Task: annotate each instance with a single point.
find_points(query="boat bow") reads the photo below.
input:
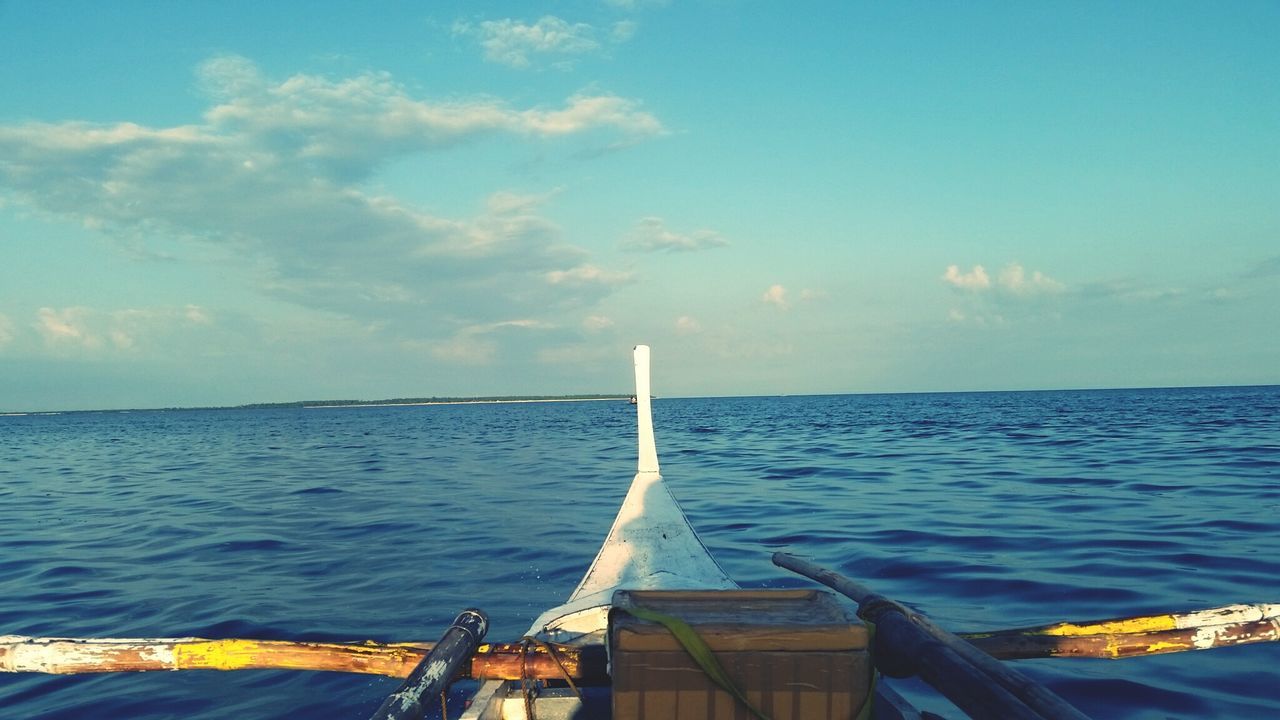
(651, 545)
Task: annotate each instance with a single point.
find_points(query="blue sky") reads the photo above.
(221, 203)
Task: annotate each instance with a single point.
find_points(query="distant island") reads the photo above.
(393, 402)
(316, 404)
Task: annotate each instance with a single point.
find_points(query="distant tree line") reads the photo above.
(339, 403)
(424, 401)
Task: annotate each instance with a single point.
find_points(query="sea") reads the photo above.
(981, 510)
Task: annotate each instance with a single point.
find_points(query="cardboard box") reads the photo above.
(795, 654)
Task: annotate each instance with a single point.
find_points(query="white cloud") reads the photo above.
(524, 323)
(274, 178)
(651, 235)
(517, 44)
(363, 119)
(1013, 279)
(65, 326)
(596, 323)
(975, 279)
(465, 350)
(197, 315)
(79, 328)
(507, 203)
(635, 4)
(1014, 296)
(686, 325)
(623, 30)
(588, 275)
(475, 345)
(775, 295)
(585, 112)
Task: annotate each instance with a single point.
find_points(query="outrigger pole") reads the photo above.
(907, 643)
(1117, 639)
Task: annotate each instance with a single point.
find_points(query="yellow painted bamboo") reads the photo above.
(73, 655)
(64, 656)
(1136, 636)
(1115, 638)
(1154, 623)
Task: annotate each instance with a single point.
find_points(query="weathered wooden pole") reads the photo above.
(491, 661)
(907, 644)
(437, 669)
(1136, 636)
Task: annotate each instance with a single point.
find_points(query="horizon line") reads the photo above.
(584, 397)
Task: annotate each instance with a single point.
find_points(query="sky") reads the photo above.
(217, 203)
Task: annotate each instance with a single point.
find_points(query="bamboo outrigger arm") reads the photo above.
(1136, 636)
(1117, 639)
(492, 661)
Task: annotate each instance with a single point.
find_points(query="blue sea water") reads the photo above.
(984, 510)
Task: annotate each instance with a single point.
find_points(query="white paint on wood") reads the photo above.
(648, 449)
(1227, 614)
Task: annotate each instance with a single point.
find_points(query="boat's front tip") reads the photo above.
(648, 448)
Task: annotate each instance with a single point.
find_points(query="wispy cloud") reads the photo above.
(589, 275)
(623, 31)
(776, 295)
(597, 323)
(465, 350)
(1013, 279)
(1016, 280)
(519, 44)
(651, 234)
(1129, 290)
(79, 329)
(781, 297)
(477, 344)
(1013, 293)
(274, 177)
(635, 4)
(687, 325)
(975, 279)
(367, 118)
(66, 326)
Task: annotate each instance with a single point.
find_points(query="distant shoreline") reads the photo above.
(497, 399)
(321, 404)
(473, 401)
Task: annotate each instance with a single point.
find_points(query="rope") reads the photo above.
(528, 686)
(564, 672)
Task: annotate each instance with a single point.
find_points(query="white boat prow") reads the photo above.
(651, 545)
